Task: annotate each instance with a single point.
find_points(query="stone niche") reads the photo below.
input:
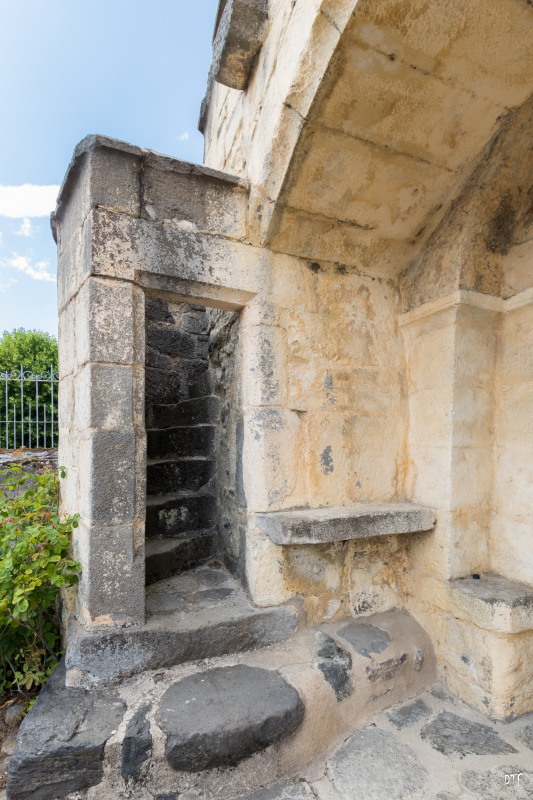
(195, 498)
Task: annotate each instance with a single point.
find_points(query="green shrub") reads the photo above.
(34, 564)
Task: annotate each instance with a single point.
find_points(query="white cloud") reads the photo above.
(27, 200)
(38, 270)
(5, 286)
(26, 228)
(184, 136)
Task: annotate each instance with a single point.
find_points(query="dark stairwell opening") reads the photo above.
(195, 506)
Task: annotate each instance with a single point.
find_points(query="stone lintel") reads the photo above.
(319, 525)
(494, 602)
(109, 173)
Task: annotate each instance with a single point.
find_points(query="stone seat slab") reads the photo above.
(320, 525)
(494, 602)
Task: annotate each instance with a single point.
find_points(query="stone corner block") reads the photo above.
(238, 39)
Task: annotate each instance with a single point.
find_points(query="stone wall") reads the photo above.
(225, 364)
(177, 344)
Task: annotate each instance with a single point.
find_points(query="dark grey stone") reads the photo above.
(153, 358)
(196, 411)
(408, 715)
(203, 385)
(319, 525)
(284, 791)
(182, 513)
(335, 664)
(219, 717)
(137, 744)
(185, 474)
(60, 745)
(15, 713)
(525, 736)
(162, 386)
(181, 442)
(171, 796)
(499, 783)
(365, 639)
(165, 557)
(378, 766)
(453, 735)
(238, 39)
(216, 632)
(157, 310)
(171, 341)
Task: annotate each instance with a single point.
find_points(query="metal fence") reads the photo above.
(29, 407)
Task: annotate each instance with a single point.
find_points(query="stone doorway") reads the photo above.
(195, 508)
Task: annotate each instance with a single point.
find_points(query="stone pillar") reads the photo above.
(101, 414)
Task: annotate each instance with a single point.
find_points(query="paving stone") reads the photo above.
(137, 744)
(453, 735)
(526, 736)
(60, 746)
(335, 664)
(283, 791)
(407, 716)
(373, 764)
(222, 716)
(499, 783)
(365, 639)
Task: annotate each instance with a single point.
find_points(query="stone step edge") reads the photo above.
(106, 656)
(153, 500)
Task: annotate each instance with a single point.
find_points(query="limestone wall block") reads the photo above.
(67, 340)
(111, 589)
(66, 404)
(106, 323)
(264, 379)
(96, 384)
(264, 562)
(67, 457)
(357, 182)
(107, 477)
(293, 283)
(274, 451)
(208, 200)
(467, 45)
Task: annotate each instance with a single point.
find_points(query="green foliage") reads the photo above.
(36, 351)
(34, 564)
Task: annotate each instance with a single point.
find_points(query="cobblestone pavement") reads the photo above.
(430, 748)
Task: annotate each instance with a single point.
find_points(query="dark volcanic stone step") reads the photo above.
(166, 557)
(60, 745)
(203, 385)
(197, 411)
(219, 717)
(194, 441)
(188, 474)
(172, 515)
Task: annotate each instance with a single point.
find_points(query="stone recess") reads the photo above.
(218, 718)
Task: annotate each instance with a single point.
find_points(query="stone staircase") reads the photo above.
(181, 494)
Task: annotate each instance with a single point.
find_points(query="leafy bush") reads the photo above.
(34, 564)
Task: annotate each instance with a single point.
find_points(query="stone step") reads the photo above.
(199, 614)
(203, 385)
(197, 411)
(166, 557)
(234, 720)
(198, 440)
(187, 474)
(179, 513)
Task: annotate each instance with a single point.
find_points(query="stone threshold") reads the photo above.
(495, 603)
(321, 525)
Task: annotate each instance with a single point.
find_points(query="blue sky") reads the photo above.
(125, 68)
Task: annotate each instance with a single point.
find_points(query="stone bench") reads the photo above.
(495, 603)
(321, 525)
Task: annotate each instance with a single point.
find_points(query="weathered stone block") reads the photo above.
(172, 516)
(197, 411)
(107, 476)
(181, 442)
(60, 746)
(95, 384)
(219, 717)
(318, 525)
(186, 474)
(238, 39)
(495, 603)
(137, 744)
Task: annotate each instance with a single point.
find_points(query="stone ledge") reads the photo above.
(320, 525)
(495, 603)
